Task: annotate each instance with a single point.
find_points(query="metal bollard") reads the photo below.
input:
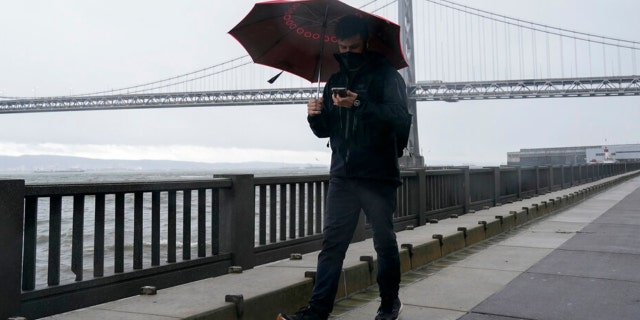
(148, 290)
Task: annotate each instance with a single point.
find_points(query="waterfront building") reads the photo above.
(574, 155)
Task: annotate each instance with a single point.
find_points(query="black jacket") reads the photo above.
(367, 140)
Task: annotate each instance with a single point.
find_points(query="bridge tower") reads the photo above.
(405, 17)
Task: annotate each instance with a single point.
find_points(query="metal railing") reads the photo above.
(68, 246)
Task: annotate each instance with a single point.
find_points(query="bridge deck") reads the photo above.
(421, 91)
(570, 254)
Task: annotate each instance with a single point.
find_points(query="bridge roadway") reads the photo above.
(569, 254)
(421, 91)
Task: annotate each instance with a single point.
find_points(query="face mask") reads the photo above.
(352, 60)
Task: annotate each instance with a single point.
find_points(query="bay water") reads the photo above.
(64, 177)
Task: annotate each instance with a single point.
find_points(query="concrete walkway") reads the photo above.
(569, 254)
(582, 263)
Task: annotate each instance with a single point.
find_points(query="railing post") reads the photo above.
(419, 195)
(466, 189)
(519, 178)
(237, 219)
(11, 237)
(537, 180)
(496, 186)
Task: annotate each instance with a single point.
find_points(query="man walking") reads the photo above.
(364, 114)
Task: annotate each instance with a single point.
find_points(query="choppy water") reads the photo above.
(93, 177)
(46, 177)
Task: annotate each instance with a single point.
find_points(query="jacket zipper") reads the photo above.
(346, 136)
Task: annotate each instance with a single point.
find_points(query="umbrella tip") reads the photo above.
(272, 80)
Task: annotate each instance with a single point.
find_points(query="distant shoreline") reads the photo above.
(65, 164)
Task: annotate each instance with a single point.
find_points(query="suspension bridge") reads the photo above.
(455, 52)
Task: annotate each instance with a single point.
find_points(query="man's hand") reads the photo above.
(314, 107)
(345, 102)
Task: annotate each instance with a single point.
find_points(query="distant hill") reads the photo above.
(64, 163)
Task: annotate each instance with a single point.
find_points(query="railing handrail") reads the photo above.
(69, 189)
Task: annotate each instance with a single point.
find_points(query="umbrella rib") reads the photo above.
(312, 13)
(319, 57)
(303, 22)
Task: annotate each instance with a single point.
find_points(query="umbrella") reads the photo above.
(298, 36)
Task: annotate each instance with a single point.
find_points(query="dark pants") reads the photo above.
(345, 199)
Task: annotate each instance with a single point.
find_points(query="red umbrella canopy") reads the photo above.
(298, 36)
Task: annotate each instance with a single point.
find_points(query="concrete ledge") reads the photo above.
(267, 303)
(424, 253)
(535, 211)
(473, 234)
(354, 278)
(492, 227)
(450, 243)
(520, 217)
(507, 221)
(372, 266)
(546, 208)
(405, 261)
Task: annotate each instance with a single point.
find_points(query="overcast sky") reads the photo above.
(73, 46)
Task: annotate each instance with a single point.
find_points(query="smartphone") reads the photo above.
(340, 91)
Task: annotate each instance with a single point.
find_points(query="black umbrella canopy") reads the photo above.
(298, 36)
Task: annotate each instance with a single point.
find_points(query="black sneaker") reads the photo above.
(305, 313)
(389, 313)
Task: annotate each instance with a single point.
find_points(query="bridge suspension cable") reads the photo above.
(177, 80)
(459, 39)
(535, 26)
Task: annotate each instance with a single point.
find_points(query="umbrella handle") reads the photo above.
(318, 91)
